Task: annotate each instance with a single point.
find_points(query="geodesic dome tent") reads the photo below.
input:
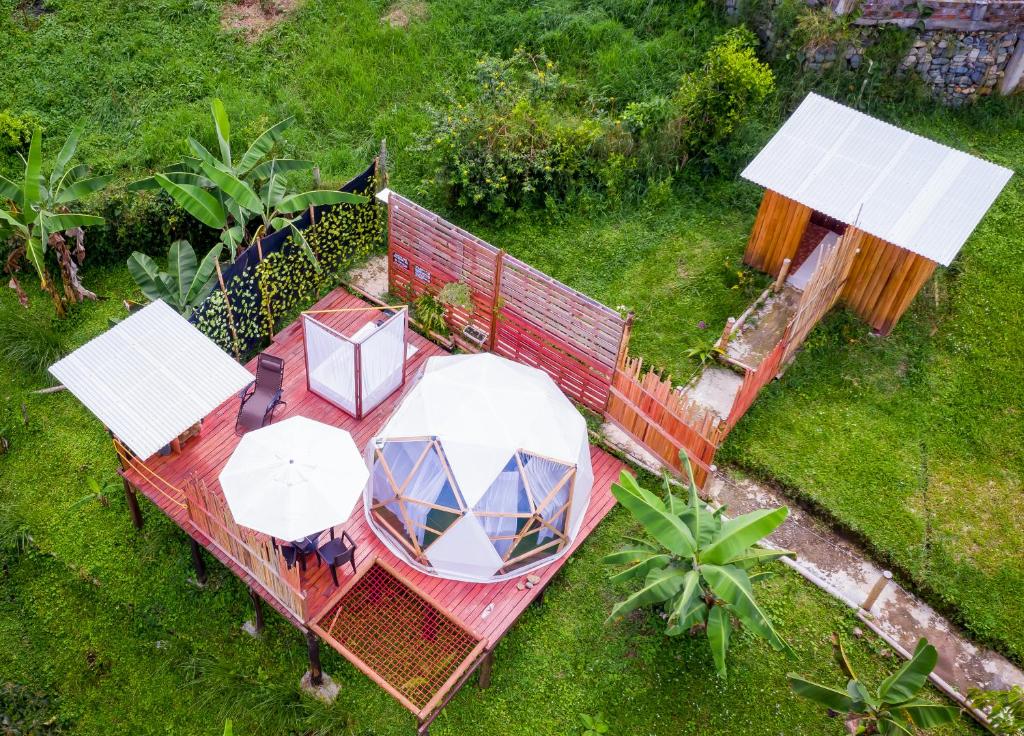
(355, 372)
(482, 473)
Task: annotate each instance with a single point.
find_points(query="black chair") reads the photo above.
(338, 551)
(261, 397)
(298, 550)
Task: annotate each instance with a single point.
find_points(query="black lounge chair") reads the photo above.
(261, 397)
(338, 551)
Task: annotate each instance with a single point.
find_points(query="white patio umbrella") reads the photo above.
(293, 478)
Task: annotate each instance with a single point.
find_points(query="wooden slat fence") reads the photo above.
(522, 313)
(571, 337)
(646, 406)
(250, 550)
(425, 252)
(756, 379)
(822, 291)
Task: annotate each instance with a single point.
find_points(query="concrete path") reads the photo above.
(840, 568)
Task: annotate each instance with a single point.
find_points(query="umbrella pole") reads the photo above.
(257, 605)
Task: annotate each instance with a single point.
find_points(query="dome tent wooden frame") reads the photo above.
(548, 508)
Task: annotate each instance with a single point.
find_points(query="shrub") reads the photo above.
(30, 343)
(512, 146)
(713, 102)
(15, 132)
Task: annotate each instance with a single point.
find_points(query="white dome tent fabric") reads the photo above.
(483, 472)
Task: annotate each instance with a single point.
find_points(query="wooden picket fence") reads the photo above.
(754, 379)
(647, 406)
(518, 312)
(249, 550)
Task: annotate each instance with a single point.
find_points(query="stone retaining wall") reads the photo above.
(961, 66)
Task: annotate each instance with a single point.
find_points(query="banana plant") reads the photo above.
(696, 565)
(893, 709)
(185, 283)
(244, 199)
(35, 218)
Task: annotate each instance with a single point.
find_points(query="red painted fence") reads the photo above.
(518, 312)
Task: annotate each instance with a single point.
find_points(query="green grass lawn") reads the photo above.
(913, 441)
(107, 620)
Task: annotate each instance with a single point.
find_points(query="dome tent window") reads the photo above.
(483, 472)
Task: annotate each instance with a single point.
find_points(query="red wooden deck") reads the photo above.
(486, 610)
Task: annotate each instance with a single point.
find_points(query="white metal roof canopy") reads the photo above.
(150, 377)
(889, 182)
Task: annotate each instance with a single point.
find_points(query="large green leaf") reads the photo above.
(683, 603)
(60, 222)
(929, 715)
(178, 177)
(67, 152)
(197, 202)
(223, 127)
(82, 188)
(145, 273)
(204, 275)
(262, 145)
(10, 190)
(278, 166)
(298, 202)
(829, 697)
(703, 524)
(719, 628)
(204, 155)
(659, 586)
(753, 556)
(665, 527)
(13, 220)
(35, 251)
(642, 566)
(904, 683)
(32, 186)
(740, 533)
(891, 727)
(181, 266)
(732, 585)
(234, 187)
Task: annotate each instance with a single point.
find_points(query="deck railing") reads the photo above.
(255, 553)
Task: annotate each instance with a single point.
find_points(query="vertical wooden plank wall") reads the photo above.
(545, 324)
(777, 231)
(425, 252)
(884, 280)
(526, 315)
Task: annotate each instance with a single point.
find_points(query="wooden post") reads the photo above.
(486, 666)
(316, 673)
(627, 332)
(227, 306)
(133, 504)
(783, 273)
(723, 341)
(496, 302)
(197, 561)
(257, 605)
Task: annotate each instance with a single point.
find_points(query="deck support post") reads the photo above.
(257, 605)
(486, 664)
(197, 561)
(133, 504)
(316, 673)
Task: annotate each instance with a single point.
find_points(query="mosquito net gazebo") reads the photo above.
(355, 372)
(482, 473)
